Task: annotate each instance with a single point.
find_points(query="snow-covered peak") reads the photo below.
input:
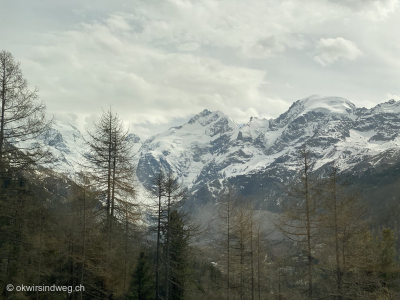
(203, 128)
(254, 128)
(207, 117)
(205, 113)
(332, 105)
(392, 106)
(209, 123)
(186, 149)
(66, 145)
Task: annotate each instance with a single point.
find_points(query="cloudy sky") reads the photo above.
(158, 62)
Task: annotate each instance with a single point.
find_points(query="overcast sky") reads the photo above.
(158, 62)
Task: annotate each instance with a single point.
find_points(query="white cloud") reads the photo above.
(371, 9)
(159, 61)
(331, 50)
(99, 63)
(253, 29)
(188, 47)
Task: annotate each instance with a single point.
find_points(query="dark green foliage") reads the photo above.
(178, 255)
(143, 280)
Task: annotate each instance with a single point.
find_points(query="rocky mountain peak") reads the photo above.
(391, 106)
(200, 115)
(207, 118)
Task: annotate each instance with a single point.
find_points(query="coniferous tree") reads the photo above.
(110, 164)
(226, 212)
(175, 195)
(170, 196)
(241, 242)
(143, 284)
(85, 210)
(130, 234)
(179, 247)
(157, 190)
(22, 119)
(340, 219)
(299, 220)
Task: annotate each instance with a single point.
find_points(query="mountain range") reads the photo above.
(211, 151)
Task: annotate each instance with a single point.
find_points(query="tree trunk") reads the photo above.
(228, 246)
(167, 279)
(83, 240)
(158, 248)
(310, 285)
(40, 249)
(251, 258)
(108, 219)
(337, 251)
(3, 104)
(114, 166)
(126, 248)
(258, 264)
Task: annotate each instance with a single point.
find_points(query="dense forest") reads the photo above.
(91, 231)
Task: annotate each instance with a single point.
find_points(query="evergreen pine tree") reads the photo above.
(179, 243)
(142, 285)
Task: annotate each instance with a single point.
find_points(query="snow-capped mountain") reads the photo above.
(211, 150)
(189, 148)
(66, 145)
